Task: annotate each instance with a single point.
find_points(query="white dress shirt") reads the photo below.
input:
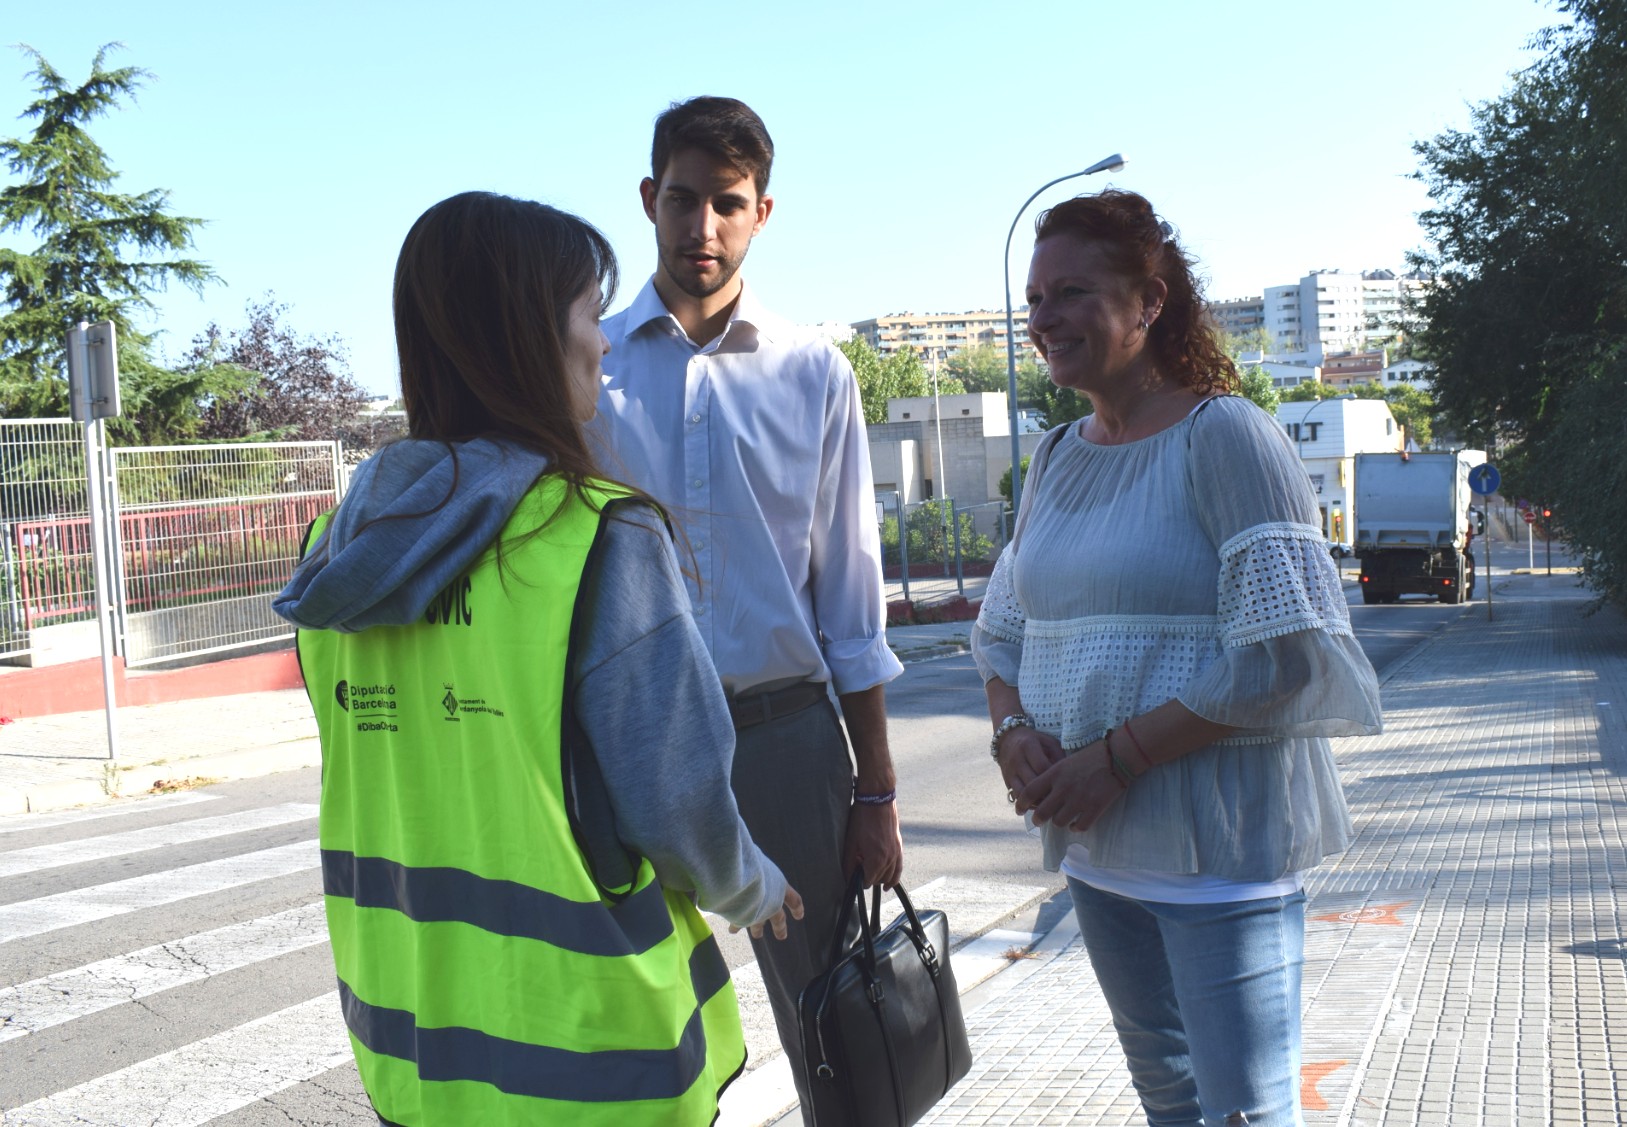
(755, 443)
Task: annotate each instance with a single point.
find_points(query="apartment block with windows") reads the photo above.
(1239, 316)
(1334, 311)
(941, 335)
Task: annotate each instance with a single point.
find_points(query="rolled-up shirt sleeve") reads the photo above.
(1289, 662)
(849, 599)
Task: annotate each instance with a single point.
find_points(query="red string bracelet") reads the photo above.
(1129, 731)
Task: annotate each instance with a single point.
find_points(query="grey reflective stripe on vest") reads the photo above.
(503, 907)
(519, 1069)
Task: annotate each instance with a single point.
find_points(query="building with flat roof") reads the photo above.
(1328, 434)
(1239, 316)
(938, 336)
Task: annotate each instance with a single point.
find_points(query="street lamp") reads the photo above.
(1299, 435)
(1110, 164)
(1304, 420)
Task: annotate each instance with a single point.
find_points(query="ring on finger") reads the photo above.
(1011, 795)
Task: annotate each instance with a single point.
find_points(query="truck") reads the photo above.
(1413, 525)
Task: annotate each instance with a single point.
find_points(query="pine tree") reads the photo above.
(100, 253)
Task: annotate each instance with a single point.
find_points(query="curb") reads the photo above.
(931, 653)
(247, 764)
(134, 779)
(52, 796)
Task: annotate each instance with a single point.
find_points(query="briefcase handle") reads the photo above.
(870, 927)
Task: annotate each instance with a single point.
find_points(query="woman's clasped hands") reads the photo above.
(1070, 790)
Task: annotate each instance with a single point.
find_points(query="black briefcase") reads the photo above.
(882, 1034)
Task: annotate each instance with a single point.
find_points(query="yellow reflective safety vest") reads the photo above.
(488, 974)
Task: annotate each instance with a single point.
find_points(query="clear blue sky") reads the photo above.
(1275, 136)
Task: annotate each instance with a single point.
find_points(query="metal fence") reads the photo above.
(207, 535)
(946, 551)
(202, 537)
(45, 558)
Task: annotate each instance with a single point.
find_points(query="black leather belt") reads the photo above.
(760, 708)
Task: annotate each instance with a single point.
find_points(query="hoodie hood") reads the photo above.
(416, 515)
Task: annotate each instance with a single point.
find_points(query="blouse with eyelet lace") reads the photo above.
(1190, 566)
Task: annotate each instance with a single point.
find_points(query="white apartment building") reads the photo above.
(938, 336)
(1329, 311)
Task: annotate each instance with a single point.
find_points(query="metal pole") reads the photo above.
(94, 432)
(1489, 616)
(1548, 545)
(1530, 544)
(940, 486)
(903, 546)
(960, 578)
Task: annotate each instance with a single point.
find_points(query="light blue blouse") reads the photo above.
(1188, 565)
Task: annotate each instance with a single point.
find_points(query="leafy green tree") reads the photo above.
(1005, 479)
(979, 368)
(1257, 340)
(898, 375)
(1526, 321)
(1254, 383)
(1307, 390)
(983, 368)
(99, 255)
(1414, 409)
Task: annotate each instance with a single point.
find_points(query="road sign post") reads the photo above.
(93, 396)
(1484, 480)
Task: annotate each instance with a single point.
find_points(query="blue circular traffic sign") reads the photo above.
(1484, 479)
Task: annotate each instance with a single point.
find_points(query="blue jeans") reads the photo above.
(1205, 998)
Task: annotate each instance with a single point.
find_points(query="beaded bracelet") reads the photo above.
(1015, 720)
(882, 799)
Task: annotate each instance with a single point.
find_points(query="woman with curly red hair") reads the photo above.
(1166, 649)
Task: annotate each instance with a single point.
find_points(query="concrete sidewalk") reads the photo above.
(1466, 959)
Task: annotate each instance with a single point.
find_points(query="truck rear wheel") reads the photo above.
(1370, 596)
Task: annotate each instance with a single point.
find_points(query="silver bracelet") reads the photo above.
(1015, 720)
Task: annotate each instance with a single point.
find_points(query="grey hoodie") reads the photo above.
(645, 691)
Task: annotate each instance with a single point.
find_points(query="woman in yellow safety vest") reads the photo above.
(526, 750)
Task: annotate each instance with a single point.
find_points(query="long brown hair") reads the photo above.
(483, 289)
(1140, 246)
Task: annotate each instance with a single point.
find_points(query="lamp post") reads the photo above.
(1110, 164)
(1299, 434)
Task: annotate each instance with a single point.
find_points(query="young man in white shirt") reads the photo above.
(751, 433)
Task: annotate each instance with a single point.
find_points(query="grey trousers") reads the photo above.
(793, 782)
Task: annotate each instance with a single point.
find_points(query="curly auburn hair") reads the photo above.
(1140, 246)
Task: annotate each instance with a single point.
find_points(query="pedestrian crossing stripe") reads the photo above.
(86, 905)
(71, 994)
(216, 1076)
(81, 850)
(124, 808)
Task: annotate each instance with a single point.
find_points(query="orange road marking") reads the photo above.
(1378, 914)
(1309, 1076)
